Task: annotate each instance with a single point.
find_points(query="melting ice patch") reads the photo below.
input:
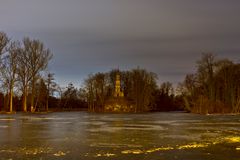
(97, 123)
(141, 127)
(114, 118)
(4, 126)
(184, 137)
(7, 151)
(7, 119)
(45, 118)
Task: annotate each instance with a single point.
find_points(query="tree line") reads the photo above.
(139, 87)
(28, 86)
(21, 65)
(214, 88)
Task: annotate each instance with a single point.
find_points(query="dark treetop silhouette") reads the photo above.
(27, 86)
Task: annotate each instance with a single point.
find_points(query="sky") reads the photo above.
(163, 36)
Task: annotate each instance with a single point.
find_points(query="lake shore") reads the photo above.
(86, 110)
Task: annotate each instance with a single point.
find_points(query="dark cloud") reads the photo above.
(163, 36)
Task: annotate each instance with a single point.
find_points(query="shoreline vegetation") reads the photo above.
(28, 86)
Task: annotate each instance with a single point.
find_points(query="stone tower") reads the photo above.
(118, 92)
(117, 102)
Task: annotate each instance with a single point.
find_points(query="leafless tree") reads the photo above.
(4, 40)
(24, 76)
(51, 87)
(9, 69)
(37, 57)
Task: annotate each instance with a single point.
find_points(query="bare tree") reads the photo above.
(37, 61)
(139, 86)
(166, 88)
(4, 40)
(69, 96)
(206, 69)
(9, 69)
(24, 76)
(41, 95)
(51, 86)
(89, 86)
(214, 88)
(143, 86)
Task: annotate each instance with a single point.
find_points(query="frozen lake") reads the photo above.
(152, 136)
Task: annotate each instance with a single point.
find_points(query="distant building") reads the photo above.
(118, 103)
(118, 91)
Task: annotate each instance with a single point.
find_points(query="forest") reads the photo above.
(139, 87)
(26, 83)
(214, 88)
(28, 86)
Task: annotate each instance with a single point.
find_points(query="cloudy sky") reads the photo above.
(89, 36)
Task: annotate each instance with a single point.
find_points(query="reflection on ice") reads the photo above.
(132, 151)
(233, 139)
(104, 155)
(34, 151)
(146, 151)
(112, 145)
(159, 149)
(60, 153)
(193, 145)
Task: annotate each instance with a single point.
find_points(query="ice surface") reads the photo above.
(82, 135)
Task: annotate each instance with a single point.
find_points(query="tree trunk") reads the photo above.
(24, 100)
(47, 103)
(11, 100)
(33, 94)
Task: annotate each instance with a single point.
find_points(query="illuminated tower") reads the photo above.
(118, 92)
